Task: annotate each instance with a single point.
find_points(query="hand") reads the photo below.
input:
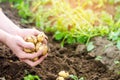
(14, 39)
(25, 32)
(16, 44)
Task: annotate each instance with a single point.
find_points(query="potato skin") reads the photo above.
(63, 74)
(35, 59)
(40, 37)
(39, 44)
(34, 39)
(27, 50)
(60, 78)
(31, 39)
(44, 48)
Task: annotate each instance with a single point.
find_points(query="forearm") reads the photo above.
(7, 25)
(3, 36)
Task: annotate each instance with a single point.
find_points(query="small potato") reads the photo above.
(27, 50)
(35, 59)
(29, 39)
(39, 44)
(63, 74)
(44, 48)
(32, 39)
(40, 37)
(60, 78)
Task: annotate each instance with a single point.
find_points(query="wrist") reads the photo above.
(15, 30)
(4, 36)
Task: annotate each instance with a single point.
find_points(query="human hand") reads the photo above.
(26, 32)
(16, 44)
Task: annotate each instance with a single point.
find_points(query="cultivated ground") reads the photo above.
(72, 58)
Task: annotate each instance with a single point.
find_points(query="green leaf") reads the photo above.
(74, 77)
(59, 35)
(70, 40)
(82, 78)
(118, 44)
(114, 36)
(31, 77)
(98, 58)
(117, 62)
(90, 46)
(82, 39)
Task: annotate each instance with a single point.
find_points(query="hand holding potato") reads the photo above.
(12, 36)
(38, 42)
(24, 33)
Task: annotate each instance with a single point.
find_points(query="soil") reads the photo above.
(72, 58)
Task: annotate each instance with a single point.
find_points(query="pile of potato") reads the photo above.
(38, 41)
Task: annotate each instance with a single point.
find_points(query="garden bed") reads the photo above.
(72, 58)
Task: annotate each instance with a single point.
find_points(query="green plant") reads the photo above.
(70, 25)
(76, 78)
(90, 46)
(31, 77)
(98, 58)
(115, 36)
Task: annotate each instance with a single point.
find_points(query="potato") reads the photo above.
(35, 59)
(40, 46)
(40, 37)
(29, 39)
(27, 50)
(44, 48)
(63, 74)
(60, 78)
(32, 39)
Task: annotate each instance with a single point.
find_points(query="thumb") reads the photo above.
(24, 44)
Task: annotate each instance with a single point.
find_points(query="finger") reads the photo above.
(24, 44)
(22, 54)
(36, 32)
(42, 33)
(45, 41)
(31, 63)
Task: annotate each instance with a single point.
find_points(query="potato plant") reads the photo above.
(71, 22)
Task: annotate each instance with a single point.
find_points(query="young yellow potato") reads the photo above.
(60, 78)
(32, 39)
(28, 50)
(40, 37)
(40, 46)
(29, 39)
(35, 59)
(45, 50)
(63, 74)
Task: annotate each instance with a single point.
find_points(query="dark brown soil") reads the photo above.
(72, 58)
